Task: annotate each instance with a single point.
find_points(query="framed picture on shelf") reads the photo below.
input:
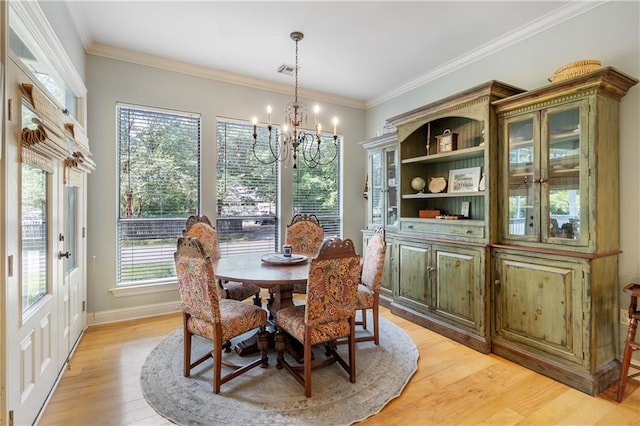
(464, 180)
(464, 210)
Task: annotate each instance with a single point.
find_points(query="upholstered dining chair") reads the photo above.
(207, 315)
(305, 235)
(370, 282)
(200, 227)
(332, 291)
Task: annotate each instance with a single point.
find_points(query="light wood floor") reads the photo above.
(453, 385)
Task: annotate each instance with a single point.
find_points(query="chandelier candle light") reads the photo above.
(292, 139)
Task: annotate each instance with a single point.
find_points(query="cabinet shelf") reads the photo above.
(570, 135)
(476, 151)
(443, 195)
(520, 143)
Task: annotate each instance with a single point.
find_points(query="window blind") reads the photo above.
(159, 187)
(317, 190)
(246, 190)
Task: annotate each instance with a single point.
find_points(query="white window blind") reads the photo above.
(159, 187)
(317, 190)
(246, 191)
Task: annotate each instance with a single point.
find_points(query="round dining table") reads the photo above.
(278, 277)
(249, 268)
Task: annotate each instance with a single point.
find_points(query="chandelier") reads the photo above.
(286, 146)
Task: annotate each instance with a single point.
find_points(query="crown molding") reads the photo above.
(542, 24)
(139, 58)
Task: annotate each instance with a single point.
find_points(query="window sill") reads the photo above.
(141, 290)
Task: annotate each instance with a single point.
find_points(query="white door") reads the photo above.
(32, 223)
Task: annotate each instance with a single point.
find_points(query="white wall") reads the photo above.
(111, 81)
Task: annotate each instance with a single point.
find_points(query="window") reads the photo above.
(317, 190)
(35, 205)
(159, 187)
(246, 192)
(29, 50)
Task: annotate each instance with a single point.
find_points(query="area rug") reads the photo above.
(272, 396)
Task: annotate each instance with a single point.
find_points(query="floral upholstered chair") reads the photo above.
(305, 235)
(200, 227)
(332, 291)
(370, 282)
(205, 314)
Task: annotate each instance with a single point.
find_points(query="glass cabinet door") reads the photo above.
(376, 191)
(546, 183)
(564, 197)
(392, 192)
(523, 197)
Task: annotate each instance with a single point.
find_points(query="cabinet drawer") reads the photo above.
(460, 228)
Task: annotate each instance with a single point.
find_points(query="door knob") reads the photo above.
(65, 254)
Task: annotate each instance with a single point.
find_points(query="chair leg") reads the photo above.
(186, 336)
(307, 365)
(217, 360)
(376, 325)
(626, 358)
(352, 350)
(281, 345)
(363, 313)
(257, 300)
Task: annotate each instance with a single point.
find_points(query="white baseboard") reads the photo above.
(124, 314)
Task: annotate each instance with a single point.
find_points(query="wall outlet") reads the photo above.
(624, 316)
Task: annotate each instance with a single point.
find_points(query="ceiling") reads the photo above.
(364, 51)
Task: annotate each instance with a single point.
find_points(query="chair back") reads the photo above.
(200, 228)
(191, 220)
(373, 263)
(332, 287)
(196, 281)
(305, 234)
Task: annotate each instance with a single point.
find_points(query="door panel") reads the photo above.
(457, 293)
(413, 274)
(538, 304)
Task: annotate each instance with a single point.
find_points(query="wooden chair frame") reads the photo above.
(191, 247)
(375, 285)
(630, 344)
(255, 290)
(334, 248)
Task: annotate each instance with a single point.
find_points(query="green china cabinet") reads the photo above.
(524, 262)
(555, 265)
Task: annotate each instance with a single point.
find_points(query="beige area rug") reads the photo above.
(272, 396)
